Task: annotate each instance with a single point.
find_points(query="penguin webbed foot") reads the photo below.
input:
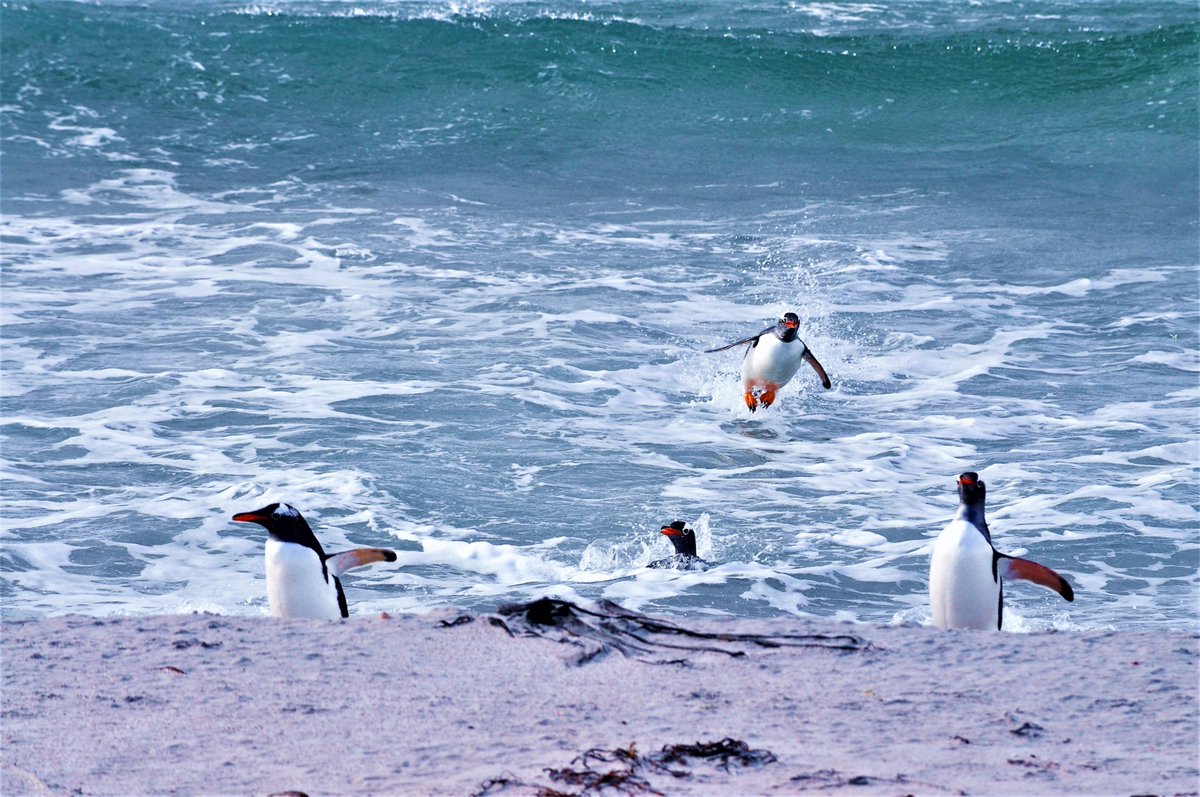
(760, 396)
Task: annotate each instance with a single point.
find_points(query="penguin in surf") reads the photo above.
(772, 359)
(684, 540)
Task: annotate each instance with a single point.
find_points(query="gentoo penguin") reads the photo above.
(966, 574)
(772, 360)
(684, 540)
(302, 581)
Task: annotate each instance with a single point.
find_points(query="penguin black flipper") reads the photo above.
(815, 364)
(752, 340)
(1012, 568)
(339, 563)
(343, 607)
(1000, 609)
(996, 556)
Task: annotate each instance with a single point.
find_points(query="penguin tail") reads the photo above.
(339, 563)
(1011, 568)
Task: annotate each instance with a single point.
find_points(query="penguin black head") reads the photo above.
(284, 523)
(787, 327)
(683, 538)
(971, 488)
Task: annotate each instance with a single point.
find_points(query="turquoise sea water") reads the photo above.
(440, 275)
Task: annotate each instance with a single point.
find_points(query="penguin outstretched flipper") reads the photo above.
(339, 563)
(752, 340)
(1012, 568)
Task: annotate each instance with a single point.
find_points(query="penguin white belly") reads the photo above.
(772, 361)
(962, 591)
(295, 586)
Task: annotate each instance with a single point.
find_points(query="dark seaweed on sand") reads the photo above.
(595, 773)
(608, 627)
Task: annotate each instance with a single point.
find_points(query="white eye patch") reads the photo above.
(284, 510)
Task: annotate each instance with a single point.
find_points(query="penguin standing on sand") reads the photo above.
(684, 540)
(966, 574)
(302, 581)
(772, 360)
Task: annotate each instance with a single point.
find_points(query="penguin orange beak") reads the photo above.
(670, 532)
(790, 324)
(967, 481)
(248, 517)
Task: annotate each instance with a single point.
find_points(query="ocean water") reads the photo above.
(441, 275)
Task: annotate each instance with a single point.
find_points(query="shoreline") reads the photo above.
(507, 703)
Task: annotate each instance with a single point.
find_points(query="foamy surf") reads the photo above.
(466, 317)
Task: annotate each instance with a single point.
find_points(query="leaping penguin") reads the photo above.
(772, 359)
(967, 574)
(302, 581)
(684, 540)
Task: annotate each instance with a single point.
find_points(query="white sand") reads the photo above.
(205, 704)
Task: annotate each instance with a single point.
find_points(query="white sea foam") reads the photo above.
(516, 400)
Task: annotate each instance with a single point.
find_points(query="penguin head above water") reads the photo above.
(787, 327)
(971, 488)
(971, 494)
(683, 538)
(284, 523)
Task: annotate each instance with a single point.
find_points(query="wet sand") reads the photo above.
(449, 704)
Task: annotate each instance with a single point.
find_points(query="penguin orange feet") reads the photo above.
(751, 401)
(768, 396)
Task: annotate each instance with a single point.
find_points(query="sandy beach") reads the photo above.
(510, 703)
